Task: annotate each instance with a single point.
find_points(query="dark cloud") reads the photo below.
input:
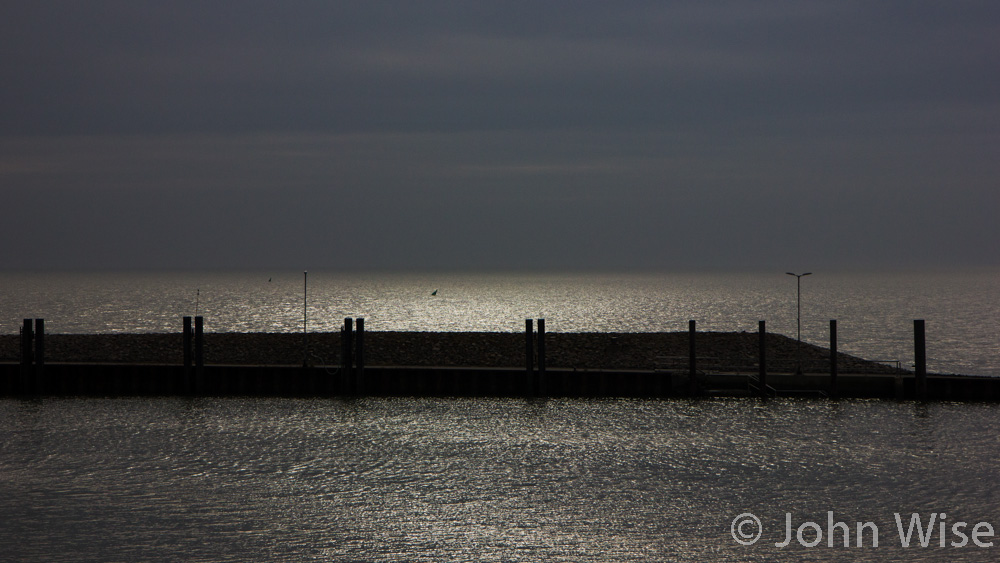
(500, 135)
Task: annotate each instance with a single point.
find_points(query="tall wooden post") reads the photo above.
(40, 355)
(359, 357)
(692, 360)
(920, 358)
(199, 351)
(762, 357)
(541, 357)
(343, 384)
(346, 353)
(529, 359)
(187, 386)
(187, 343)
(27, 347)
(833, 358)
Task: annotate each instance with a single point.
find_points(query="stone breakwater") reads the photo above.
(581, 351)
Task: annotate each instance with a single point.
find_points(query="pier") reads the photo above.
(464, 364)
(63, 379)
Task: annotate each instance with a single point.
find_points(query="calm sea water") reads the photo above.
(875, 311)
(489, 480)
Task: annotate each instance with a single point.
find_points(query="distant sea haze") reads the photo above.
(874, 311)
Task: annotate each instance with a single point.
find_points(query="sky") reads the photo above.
(433, 135)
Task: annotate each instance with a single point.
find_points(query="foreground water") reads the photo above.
(875, 311)
(489, 480)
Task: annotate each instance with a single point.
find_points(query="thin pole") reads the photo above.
(305, 318)
(798, 319)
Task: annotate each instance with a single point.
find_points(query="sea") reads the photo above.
(497, 480)
(502, 480)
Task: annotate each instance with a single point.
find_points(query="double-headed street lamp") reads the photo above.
(798, 317)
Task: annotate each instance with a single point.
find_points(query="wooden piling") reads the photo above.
(833, 358)
(199, 352)
(27, 347)
(529, 354)
(762, 357)
(40, 355)
(920, 358)
(692, 360)
(187, 385)
(359, 358)
(343, 347)
(27, 342)
(187, 343)
(541, 358)
(346, 356)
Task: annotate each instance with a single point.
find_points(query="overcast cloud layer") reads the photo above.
(504, 135)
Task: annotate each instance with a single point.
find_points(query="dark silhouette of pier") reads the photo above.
(737, 367)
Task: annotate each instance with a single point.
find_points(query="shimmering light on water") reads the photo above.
(479, 480)
(875, 312)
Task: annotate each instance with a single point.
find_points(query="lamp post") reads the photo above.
(305, 318)
(798, 319)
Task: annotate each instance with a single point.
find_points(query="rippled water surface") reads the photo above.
(481, 479)
(875, 312)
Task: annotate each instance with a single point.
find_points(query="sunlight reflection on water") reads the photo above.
(475, 479)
